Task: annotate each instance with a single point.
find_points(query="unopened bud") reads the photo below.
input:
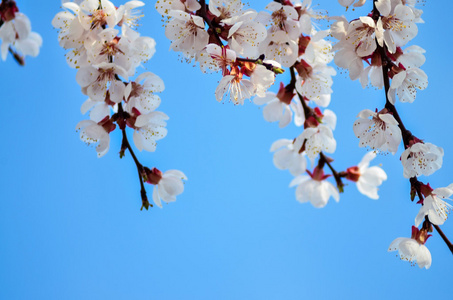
(353, 173)
(152, 176)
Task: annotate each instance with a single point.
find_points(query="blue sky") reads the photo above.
(71, 225)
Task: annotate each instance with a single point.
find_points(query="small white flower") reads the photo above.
(434, 207)
(279, 47)
(421, 159)
(380, 132)
(262, 79)
(237, 88)
(287, 156)
(361, 35)
(149, 128)
(187, 33)
(17, 34)
(405, 84)
(168, 187)
(92, 133)
(314, 189)
(245, 35)
(367, 178)
(413, 249)
(399, 26)
(98, 80)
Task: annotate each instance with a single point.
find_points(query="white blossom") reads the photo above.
(381, 132)
(314, 189)
(186, 32)
(18, 35)
(421, 159)
(367, 178)
(399, 27)
(413, 249)
(362, 34)
(236, 87)
(406, 83)
(287, 156)
(168, 187)
(434, 207)
(92, 133)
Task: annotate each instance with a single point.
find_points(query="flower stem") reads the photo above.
(444, 237)
(17, 57)
(126, 145)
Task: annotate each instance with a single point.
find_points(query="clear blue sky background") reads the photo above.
(70, 224)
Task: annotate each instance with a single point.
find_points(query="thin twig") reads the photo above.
(203, 13)
(444, 237)
(126, 144)
(17, 57)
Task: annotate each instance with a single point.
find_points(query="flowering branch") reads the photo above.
(126, 145)
(105, 59)
(408, 139)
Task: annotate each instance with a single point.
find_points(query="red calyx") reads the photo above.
(8, 10)
(353, 173)
(152, 176)
(318, 174)
(285, 94)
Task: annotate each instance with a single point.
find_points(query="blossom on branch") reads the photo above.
(288, 155)
(167, 185)
(314, 188)
(421, 159)
(413, 249)
(15, 33)
(367, 178)
(381, 132)
(434, 207)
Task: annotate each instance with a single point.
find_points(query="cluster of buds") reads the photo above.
(105, 60)
(15, 33)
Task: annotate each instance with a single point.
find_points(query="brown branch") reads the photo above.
(17, 57)
(203, 13)
(444, 237)
(126, 145)
(336, 175)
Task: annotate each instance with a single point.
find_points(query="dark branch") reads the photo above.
(126, 145)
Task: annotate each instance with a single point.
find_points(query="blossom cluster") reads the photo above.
(15, 33)
(376, 41)
(106, 50)
(250, 48)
